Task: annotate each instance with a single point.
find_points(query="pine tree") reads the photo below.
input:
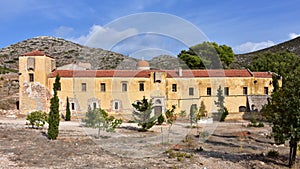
(54, 112)
(68, 112)
(220, 104)
(143, 114)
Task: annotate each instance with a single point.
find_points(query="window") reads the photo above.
(124, 87)
(83, 87)
(226, 91)
(72, 106)
(116, 105)
(266, 90)
(102, 87)
(245, 90)
(141, 86)
(208, 91)
(191, 91)
(174, 87)
(31, 77)
(94, 105)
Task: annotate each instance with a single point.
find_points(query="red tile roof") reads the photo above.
(34, 53)
(263, 74)
(210, 73)
(101, 73)
(170, 73)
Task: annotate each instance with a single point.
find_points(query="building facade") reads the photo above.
(116, 90)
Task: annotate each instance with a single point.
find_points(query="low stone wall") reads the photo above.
(9, 113)
(244, 116)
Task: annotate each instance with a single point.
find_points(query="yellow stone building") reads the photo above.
(115, 90)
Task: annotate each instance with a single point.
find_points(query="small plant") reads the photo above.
(260, 124)
(182, 114)
(187, 139)
(254, 123)
(178, 155)
(204, 134)
(273, 153)
(37, 119)
(199, 149)
(253, 120)
(160, 119)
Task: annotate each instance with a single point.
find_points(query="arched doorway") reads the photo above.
(157, 107)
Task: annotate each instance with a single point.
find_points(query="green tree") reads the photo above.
(283, 110)
(202, 111)
(207, 55)
(193, 114)
(37, 119)
(171, 118)
(275, 62)
(68, 112)
(143, 114)
(54, 119)
(98, 118)
(222, 111)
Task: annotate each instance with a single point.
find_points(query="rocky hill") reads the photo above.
(165, 62)
(64, 52)
(242, 60)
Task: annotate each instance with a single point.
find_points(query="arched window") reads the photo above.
(242, 109)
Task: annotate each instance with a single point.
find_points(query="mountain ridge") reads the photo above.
(66, 52)
(243, 60)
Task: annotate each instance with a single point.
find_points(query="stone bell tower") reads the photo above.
(34, 70)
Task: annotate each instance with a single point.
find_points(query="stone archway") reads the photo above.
(157, 106)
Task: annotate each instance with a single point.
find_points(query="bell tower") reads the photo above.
(34, 69)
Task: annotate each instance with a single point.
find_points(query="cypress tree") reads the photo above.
(54, 112)
(68, 112)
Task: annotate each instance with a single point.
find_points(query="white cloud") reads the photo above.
(63, 31)
(252, 46)
(293, 35)
(104, 37)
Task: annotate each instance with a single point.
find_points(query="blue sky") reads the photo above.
(243, 25)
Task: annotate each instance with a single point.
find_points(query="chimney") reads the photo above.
(179, 71)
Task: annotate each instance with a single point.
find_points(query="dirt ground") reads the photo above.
(219, 145)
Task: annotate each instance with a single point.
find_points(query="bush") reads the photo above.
(273, 153)
(224, 114)
(260, 124)
(37, 119)
(160, 119)
(254, 124)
